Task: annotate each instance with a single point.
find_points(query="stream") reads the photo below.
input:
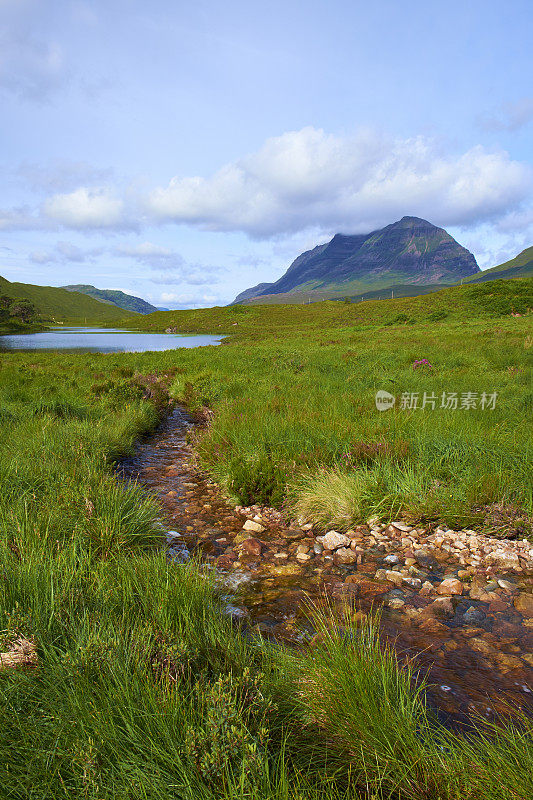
(477, 658)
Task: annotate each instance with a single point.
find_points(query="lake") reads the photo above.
(102, 340)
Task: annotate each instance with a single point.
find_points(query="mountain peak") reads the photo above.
(409, 251)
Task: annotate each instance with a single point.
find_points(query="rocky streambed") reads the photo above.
(457, 604)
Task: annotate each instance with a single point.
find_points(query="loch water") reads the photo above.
(101, 340)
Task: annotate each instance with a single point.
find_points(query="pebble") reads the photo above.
(250, 525)
(391, 559)
(507, 585)
(473, 615)
(333, 540)
(344, 555)
(394, 577)
(414, 583)
(250, 547)
(450, 586)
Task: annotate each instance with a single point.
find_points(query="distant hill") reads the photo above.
(115, 297)
(521, 266)
(411, 251)
(62, 305)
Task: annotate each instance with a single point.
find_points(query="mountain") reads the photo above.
(521, 266)
(62, 305)
(113, 296)
(410, 251)
(253, 292)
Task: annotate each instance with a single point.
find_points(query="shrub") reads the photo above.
(257, 480)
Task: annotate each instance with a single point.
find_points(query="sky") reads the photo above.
(183, 152)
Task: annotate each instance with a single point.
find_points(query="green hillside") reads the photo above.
(114, 297)
(460, 303)
(59, 305)
(521, 266)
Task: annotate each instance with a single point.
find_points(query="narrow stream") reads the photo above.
(478, 660)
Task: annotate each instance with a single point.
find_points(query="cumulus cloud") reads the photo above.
(303, 182)
(511, 116)
(86, 208)
(309, 178)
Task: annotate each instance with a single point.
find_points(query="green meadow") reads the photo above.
(143, 687)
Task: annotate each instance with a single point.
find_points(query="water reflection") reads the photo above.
(102, 340)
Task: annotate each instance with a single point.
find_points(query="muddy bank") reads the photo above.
(458, 604)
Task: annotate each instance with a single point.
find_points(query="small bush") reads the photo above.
(437, 315)
(258, 480)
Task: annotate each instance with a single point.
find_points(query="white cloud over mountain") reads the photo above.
(306, 180)
(309, 178)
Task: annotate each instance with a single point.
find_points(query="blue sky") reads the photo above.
(185, 151)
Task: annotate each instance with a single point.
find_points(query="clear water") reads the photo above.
(102, 340)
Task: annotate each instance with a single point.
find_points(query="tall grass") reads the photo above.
(144, 687)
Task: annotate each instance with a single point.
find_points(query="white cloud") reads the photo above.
(185, 300)
(195, 275)
(304, 182)
(151, 255)
(511, 116)
(20, 218)
(167, 261)
(64, 253)
(85, 208)
(307, 178)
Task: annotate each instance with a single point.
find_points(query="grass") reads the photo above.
(145, 688)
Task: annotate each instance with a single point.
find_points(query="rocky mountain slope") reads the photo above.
(410, 251)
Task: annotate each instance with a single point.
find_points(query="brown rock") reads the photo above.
(344, 556)
(442, 607)
(524, 605)
(333, 540)
(433, 626)
(250, 525)
(450, 586)
(250, 547)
